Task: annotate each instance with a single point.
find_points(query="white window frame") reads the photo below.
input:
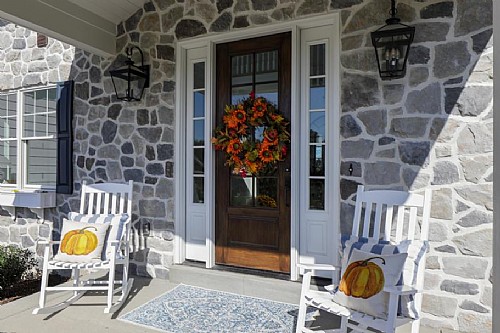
(22, 143)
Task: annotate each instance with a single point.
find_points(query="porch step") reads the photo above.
(238, 283)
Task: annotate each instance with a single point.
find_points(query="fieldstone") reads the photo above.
(461, 207)
(473, 322)
(169, 169)
(415, 179)
(437, 10)
(460, 287)
(96, 92)
(418, 75)
(5, 40)
(347, 188)
(349, 127)
(442, 205)
(445, 173)
(451, 59)
(443, 129)
(108, 131)
(370, 15)
(137, 175)
(409, 127)
(149, 7)
(475, 218)
(142, 117)
(165, 189)
(30, 79)
(357, 149)
(476, 243)
(482, 40)
(169, 86)
(414, 153)
(127, 148)
(108, 151)
(312, 7)
(89, 163)
(81, 134)
(431, 32)
(466, 267)
(425, 101)
(439, 305)
(472, 16)
(259, 19)
(481, 194)
(432, 262)
(95, 140)
(356, 169)
(37, 66)
(95, 74)
(241, 22)
(385, 141)
(431, 281)
(446, 249)
(155, 169)
(4, 235)
(100, 173)
(382, 173)
(362, 60)
(474, 168)
(475, 138)
(359, 91)
(346, 218)
(469, 305)
(152, 208)
(165, 52)
(170, 18)
(164, 151)
(352, 42)
(375, 121)
(152, 135)
(393, 93)
(189, 28)
(26, 241)
(469, 101)
(263, 4)
(150, 22)
(127, 162)
(437, 231)
(486, 298)
(132, 22)
(223, 23)
(340, 4)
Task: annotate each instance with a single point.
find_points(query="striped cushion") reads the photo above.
(117, 221)
(416, 250)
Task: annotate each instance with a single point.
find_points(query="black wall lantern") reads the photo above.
(130, 81)
(392, 45)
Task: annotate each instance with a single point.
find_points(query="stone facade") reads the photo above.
(432, 128)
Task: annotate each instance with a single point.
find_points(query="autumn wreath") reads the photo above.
(253, 137)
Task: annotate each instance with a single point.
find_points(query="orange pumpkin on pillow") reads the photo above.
(79, 242)
(363, 279)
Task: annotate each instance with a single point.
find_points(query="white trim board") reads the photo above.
(209, 41)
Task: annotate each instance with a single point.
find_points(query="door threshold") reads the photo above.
(240, 270)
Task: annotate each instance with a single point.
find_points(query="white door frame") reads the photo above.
(210, 42)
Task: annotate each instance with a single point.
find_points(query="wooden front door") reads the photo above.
(253, 213)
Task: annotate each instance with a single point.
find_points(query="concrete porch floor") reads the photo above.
(87, 315)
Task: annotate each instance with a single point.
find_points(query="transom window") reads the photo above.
(28, 138)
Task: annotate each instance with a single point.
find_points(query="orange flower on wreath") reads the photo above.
(271, 135)
(266, 155)
(259, 108)
(239, 115)
(234, 146)
(253, 167)
(231, 121)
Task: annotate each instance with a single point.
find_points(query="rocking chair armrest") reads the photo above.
(47, 243)
(318, 267)
(401, 290)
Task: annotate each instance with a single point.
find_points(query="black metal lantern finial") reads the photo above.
(130, 81)
(392, 45)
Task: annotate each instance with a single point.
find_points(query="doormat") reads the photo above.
(188, 309)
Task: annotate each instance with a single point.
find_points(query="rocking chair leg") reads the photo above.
(301, 318)
(111, 285)
(45, 280)
(343, 324)
(76, 279)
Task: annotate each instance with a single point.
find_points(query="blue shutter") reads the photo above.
(64, 175)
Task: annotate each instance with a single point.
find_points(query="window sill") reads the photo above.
(28, 199)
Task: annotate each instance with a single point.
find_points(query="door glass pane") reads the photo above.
(317, 160)
(240, 93)
(241, 69)
(8, 162)
(266, 66)
(317, 94)
(241, 191)
(199, 160)
(29, 102)
(41, 125)
(199, 132)
(199, 75)
(317, 194)
(317, 54)
(199, 104)
(269, 91)
(317, 127)
(41, 156)
(267, 192)
(199, 190)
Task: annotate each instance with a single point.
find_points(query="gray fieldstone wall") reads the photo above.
(432, 128)
(22, 65)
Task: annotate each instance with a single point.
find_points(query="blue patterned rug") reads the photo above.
(187, 309)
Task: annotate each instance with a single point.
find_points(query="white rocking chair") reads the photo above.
(406, 205)
(103, 198)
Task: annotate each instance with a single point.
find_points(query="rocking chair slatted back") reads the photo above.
(402, 204)
(119, 195)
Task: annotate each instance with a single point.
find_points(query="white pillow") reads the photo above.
(116, 222)
(81, 242)
(361, 288)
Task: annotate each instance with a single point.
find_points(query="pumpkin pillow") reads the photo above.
(364, 275)
(81, 242)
